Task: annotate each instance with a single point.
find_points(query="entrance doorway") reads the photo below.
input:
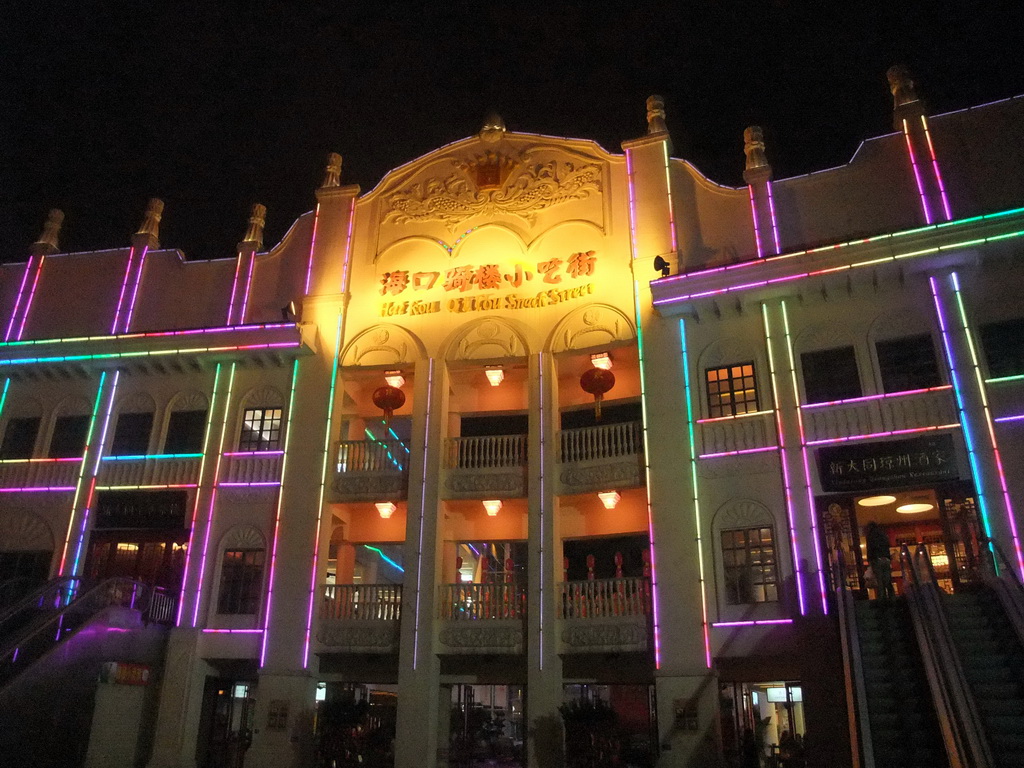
(154, 557)
(355, 725)
(226, 721)
(764, 717)
(487, 727)
(610, 725)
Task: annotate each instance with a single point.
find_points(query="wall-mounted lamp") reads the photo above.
(662, 266)
(394, 379)
(609, 498)
(492, 506)
(495, 374)
(289, 312)
(602, 360)
(385, 508)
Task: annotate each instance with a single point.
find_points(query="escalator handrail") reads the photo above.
(863, 750)
(964, 737)
(55, 588)
(86, 602)
(1009, 589)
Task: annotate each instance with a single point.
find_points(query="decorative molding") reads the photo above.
(742, 513)
(265, 396)
(488, 339)
(372, 484)
(191, 400)
(595, 325)
(455, 198)
(380, 635)
(482, 637)
(475, 481)
(244, 537)
(24, 531)
(589, 635)
(385, 345)
(727, 351)
(824, 336)
(620, 473)
(137, 402)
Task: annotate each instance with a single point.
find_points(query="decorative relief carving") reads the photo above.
(623, 473)
(376, 484)
(477, 636)
(742, 513)
(23, 531)
(383, 635)
(534, 188)
(486, 340)
(472, 481)
(726, 352)
(137, 402)
(244, 537)
(264, 396)
(382, 345)
(592, 326)
(586, 635)
(189, 401)
(824, 336)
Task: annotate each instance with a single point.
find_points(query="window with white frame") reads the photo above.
(241, 581)
(732, 390)
(261, 429)
(748, 558)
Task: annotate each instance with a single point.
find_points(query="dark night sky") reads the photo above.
(215, 105)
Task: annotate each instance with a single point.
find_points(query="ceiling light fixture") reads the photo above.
(495, 374)
(394, 379)
(609, 498)
(602, 360)
(876, 501)
(492, 506)
(914, 508)
(385, 508)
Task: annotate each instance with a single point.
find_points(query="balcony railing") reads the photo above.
(488, 452)
(373, 602)
(605, 598)
(372, 456)
(39, 473)
(482, 601)
(606, 441)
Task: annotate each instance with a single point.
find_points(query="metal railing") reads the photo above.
(604, 598)
(605, 441)
(374, 602)
(482, 601)
(487, 452)
(1007, 586)
(372, 456)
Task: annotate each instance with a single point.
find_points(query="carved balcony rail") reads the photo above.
(604, 598)
(741, 433)
(261, 467)
(143, 471)
(482, 601)
(606, 441)
(372, 456)
(368, 602)
(488, 452)
(39, 473)
(929, 408)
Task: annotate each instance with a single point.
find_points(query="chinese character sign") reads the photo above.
(894, 463)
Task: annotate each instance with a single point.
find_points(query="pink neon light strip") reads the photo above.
(757, 623)
(31, 298)
(737, 453)
(17, 300)
(152, 334)
(733, 418)
(234, 289)
(38, 489)
(152, 487)
(265, 484)
(248, 287)
(775, 222)
(124, 287)
(935, 167)
(40, 461)
(757, 226)
(865, 398)
(312, 249)
(891, 433)
(135, 289)
(232, 631)
(917, 174)
(784, 462)
(254, 453)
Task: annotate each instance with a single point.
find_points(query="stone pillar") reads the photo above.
(181, 701)
(419, 668)
(543, 664)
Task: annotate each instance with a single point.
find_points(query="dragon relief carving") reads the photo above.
(455, 198)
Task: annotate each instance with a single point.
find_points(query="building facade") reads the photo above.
(527, 432)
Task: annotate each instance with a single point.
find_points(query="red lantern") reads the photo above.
(597, 381)
(389, 399)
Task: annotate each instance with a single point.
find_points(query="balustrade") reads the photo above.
(487, 452)
(605, 598)
(372, 456)
(183, 471)
(39, 473)
(605, 441)
(482, 601)
(373, 602)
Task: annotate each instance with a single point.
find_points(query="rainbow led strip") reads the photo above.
(38, 259)
(917, 173)
(771, 213)
(888, 433)
(155, 456)
(935, 169)
(423, 514)
(883, 396)
(733, 417)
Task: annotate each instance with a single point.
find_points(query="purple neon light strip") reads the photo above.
(935, 167)
(151, 334)
(38, 489)
(808, 487)
(135, 289)
(1004, 419)
(124, 287)
(865, 398)
(277, 517)
(741, 452)
(754, 623)
(312, 249)
(234, 288)
(890, 433)
(248, 288)
(260, 484)
(197, 501)
(423, 515)
(31, 298)
(17, 300)
(996, 453)
(787, 487)
(232, 631)
(917, 174)
(253, 453)
(757, 225)
(775, 221)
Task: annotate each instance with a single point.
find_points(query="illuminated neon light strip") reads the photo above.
(733, 417)
(756, 623)
(348, 246)
(39, 461)
(757, 226)
(148, 353)
(320, 499)
(808, 487)
(81, 474)
(277, 515)
(155, 456)
(540, 575)
(742, 452)
(423, 515)
(234, 288)
(935, 168)
(135, 290)
(890, 433)
(387, 450)
(195, 503)
(861, 241)
(1004, 379)
(151, 487)
(213, 494)
(385, 558)
(784, 462)
(696, 495)
(458, 240)
(656, 624)
(248, 288)
(254, 453)
(668, 193)
(39, 489)
(260, 484)
(3, 395)
(917, 174)
(95, 471)
(987, 411)
(865, 398)
(232, 631)
(972, 454)
(17, 300)
(124, 286)
(150, 334)
(775, 222)
(312, 248)
(1004, 419)
(31, 298)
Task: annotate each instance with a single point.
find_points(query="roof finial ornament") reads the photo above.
(493, 129)
(151, 221)
(906, 104)
(332, 174)
(757, 167)
(47, 240)
(656, 115)
(254, 233)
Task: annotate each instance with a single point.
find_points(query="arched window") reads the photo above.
(241, 572)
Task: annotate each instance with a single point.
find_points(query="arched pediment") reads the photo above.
(897, 325)
(487, 338)
(264, 396)
(383, 345)
(137, 402)
(727, 351)
(191, 400)
(595, 325)
(742, 513)
(821, 336)
(244, 537)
